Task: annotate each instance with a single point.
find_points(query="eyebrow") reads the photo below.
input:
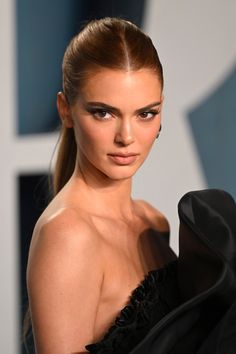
(117, 110)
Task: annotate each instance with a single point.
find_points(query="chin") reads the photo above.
(121, 173)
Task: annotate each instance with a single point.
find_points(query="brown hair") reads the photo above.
(106, 43)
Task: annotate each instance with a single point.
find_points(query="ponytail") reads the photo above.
(66, 158)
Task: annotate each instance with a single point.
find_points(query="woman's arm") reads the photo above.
(64, 280)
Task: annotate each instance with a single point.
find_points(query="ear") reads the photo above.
(64, 110)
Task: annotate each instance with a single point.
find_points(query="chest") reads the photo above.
(123, 274)
(127, 259)
(125, 268)
(126, 264)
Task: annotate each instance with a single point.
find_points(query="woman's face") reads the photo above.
(116, 119)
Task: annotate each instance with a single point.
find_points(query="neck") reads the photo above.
(102, 195)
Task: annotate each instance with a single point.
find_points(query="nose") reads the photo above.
(124, 134)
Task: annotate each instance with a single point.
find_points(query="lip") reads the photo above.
(123, 159)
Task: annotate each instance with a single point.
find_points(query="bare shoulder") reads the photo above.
(66, 224)
(64, 279)
(66, 231)
(157, 220)
(156, 249)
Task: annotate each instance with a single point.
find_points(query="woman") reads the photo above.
(94, 244)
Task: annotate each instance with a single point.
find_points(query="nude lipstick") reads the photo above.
(123, 159)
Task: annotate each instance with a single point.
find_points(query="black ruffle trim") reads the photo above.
(156, 296)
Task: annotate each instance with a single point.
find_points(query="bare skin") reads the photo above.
(93, 244)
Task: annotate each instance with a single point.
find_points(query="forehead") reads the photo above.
(119, 85)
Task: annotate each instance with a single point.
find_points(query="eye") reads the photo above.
(148, 115)
(101, 114)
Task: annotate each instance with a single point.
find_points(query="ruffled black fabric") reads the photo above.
(155, 297)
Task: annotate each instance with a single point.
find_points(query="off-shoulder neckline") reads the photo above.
(137, 310)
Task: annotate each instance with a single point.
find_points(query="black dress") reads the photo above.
(189, 306)
(154, 298)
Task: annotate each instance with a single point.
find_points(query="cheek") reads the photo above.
(90, 138)
(147, 137)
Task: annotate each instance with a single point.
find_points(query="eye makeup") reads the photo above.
(103, 111)
(99, 113)
(149, 115)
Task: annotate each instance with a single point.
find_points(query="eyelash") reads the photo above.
(97, 111)
(153, 114)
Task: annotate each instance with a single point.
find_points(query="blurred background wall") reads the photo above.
(196, 148)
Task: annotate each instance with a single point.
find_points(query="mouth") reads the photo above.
(123, 159)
